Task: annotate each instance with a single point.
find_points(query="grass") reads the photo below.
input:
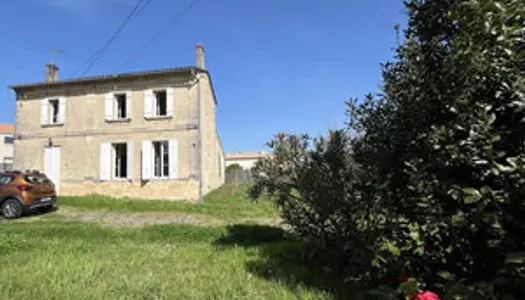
(226, 203)
(70, 260)
(53, 257)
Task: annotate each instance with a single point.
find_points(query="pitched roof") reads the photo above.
(180, 70)
(245, 155)
(7, 128)
(167, 71)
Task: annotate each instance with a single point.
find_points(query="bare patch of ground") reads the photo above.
(139, 219)
(133, 220)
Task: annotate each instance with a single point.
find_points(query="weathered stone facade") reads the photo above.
(198, 166)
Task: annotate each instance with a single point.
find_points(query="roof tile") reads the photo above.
(7, 128)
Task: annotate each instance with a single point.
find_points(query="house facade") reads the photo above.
(6, 146)
(144, 135)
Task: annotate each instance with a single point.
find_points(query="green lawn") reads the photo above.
(53, 257)
(227, 203)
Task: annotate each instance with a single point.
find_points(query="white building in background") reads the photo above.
(245, 159)
(6, 146)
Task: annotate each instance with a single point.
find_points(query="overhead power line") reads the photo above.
(172, 22)
(98, 54)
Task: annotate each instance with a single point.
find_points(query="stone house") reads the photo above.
(148, 134)
(6, 146)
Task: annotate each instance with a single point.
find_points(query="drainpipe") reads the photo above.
(198, 85)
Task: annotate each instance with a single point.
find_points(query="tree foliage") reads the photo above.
(233, 168)
(432, 181)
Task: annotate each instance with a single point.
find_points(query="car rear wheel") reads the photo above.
(11, 209)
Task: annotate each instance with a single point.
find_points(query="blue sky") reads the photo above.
(277, 65)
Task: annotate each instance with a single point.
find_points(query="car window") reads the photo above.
(36, 178)
(5, 179)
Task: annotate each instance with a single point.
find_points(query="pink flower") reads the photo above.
(425, 296)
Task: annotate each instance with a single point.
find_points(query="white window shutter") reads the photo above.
(147, 160)
(170, 100)
(105, 161)
(129, 96)
(148, 103)
(108, 114)
(44, 112)
(174, 159)
(130, 160)
(62, 110)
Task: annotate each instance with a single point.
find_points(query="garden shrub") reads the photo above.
(429, 177)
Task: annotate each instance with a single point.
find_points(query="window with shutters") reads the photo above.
(118, 107)
(121, 106)
(161, 103)
(161, 159)
(53, 111)
(116, 161)
(120, 161)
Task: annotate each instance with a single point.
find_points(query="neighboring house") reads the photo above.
(6, 146)
(147, 134)
(245, 159)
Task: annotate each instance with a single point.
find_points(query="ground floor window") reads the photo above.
(6, 164)
(120, 161)
(161, 159)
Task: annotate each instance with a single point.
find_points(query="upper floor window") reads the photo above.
(53, 111)
(118, 106)
(161, 109)
(9, 140)
(158, 103)
(121, 106)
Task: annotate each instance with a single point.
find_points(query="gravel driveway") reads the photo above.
(139, 219)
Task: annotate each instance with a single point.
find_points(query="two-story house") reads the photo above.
(6, 146)
(147, 134)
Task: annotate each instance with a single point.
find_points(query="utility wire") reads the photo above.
(98, 54)
(173, 21)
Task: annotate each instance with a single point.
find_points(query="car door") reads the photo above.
(5, 188)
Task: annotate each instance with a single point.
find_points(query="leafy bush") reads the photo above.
(432, 181)
(317, 185)
(233, 168)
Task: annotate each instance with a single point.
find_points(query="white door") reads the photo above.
(52, 166)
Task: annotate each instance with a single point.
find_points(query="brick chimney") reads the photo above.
(199, 55)
(51, 73)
